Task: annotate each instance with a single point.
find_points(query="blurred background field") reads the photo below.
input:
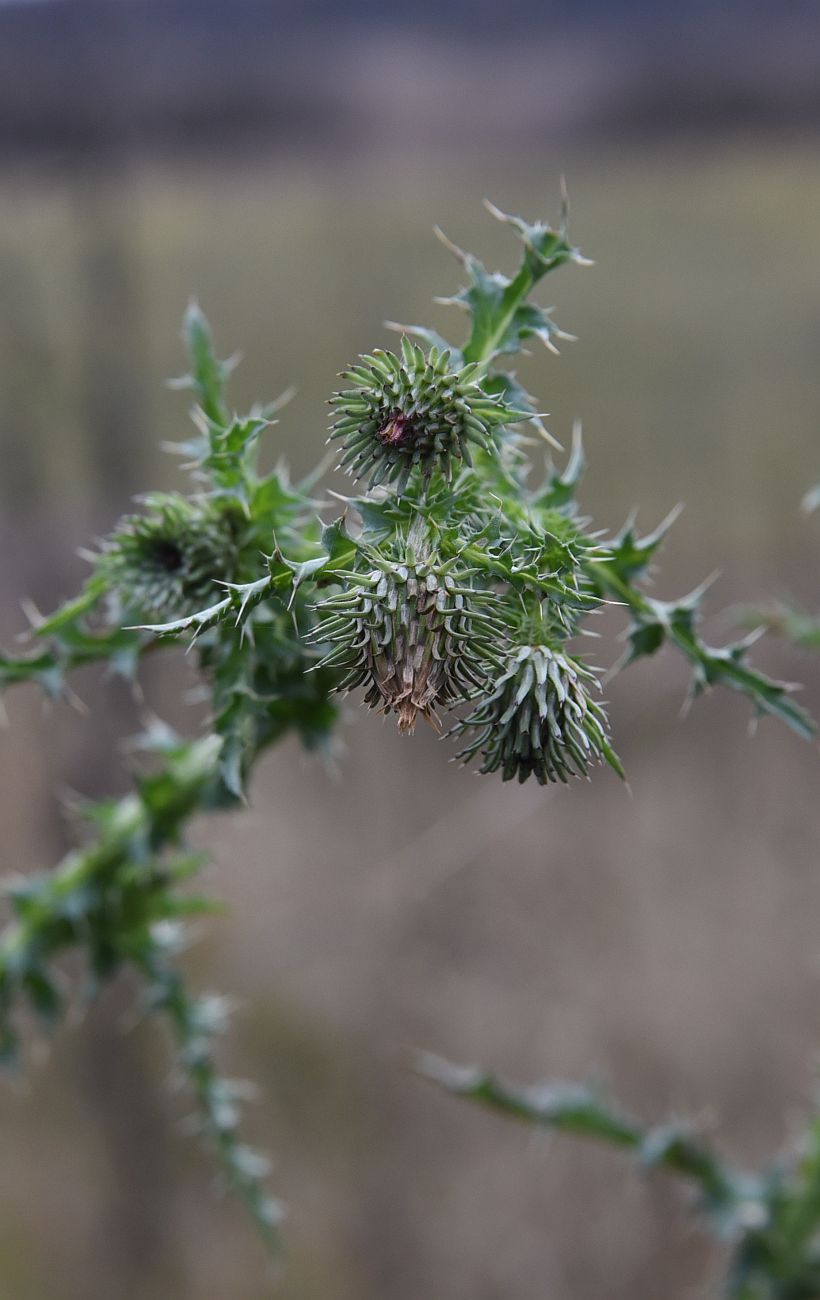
(664, 942)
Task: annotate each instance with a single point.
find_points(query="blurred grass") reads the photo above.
(669, 941)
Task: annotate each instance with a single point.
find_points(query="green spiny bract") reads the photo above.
(166, 563)
(414, 411)
(540, 719)
(409, 628)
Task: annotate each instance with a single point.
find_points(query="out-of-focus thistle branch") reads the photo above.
(771, 1220)
(120, 902)
(585, 1112)
(195, 1023)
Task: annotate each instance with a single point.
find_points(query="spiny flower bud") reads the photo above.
(411, 632)
(540, 719)
(165, 564)
(413, 410)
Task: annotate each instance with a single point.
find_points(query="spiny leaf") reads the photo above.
(42, 668)
(67, 614)
(72, 648)
(241, 598)
(546, 248)
(656, 622)
(208, 373)
(500, 318)
(501, 315)
(558, 492)
(229, 447)
(630, 555)
(572, 1108)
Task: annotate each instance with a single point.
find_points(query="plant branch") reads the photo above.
(118, 902)
(572, 1108)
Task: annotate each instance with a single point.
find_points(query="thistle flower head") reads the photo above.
(166, 562)
(411, 631)
(413, 410)
(540, 719)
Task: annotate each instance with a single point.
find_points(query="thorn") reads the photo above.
(577, 446)
(282, 400)
(674, 514)
(496, 212)
(31, 612)
(74, 700)
(545, 434)
(457, 252)
(751, 637)
(701, 589)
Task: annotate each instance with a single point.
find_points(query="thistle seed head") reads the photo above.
(165, 564)
(413, 411)
(539, 719)
(411, 633)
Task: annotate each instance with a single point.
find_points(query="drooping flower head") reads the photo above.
(411, 631)
(167, 562)
(413, 410)
(539, 719)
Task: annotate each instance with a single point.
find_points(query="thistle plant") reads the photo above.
(456, 587)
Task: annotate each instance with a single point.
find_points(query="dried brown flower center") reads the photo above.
(397, 432)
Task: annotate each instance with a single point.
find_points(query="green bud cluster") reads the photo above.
(167, 562)
(539, 719)
(414, 411)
